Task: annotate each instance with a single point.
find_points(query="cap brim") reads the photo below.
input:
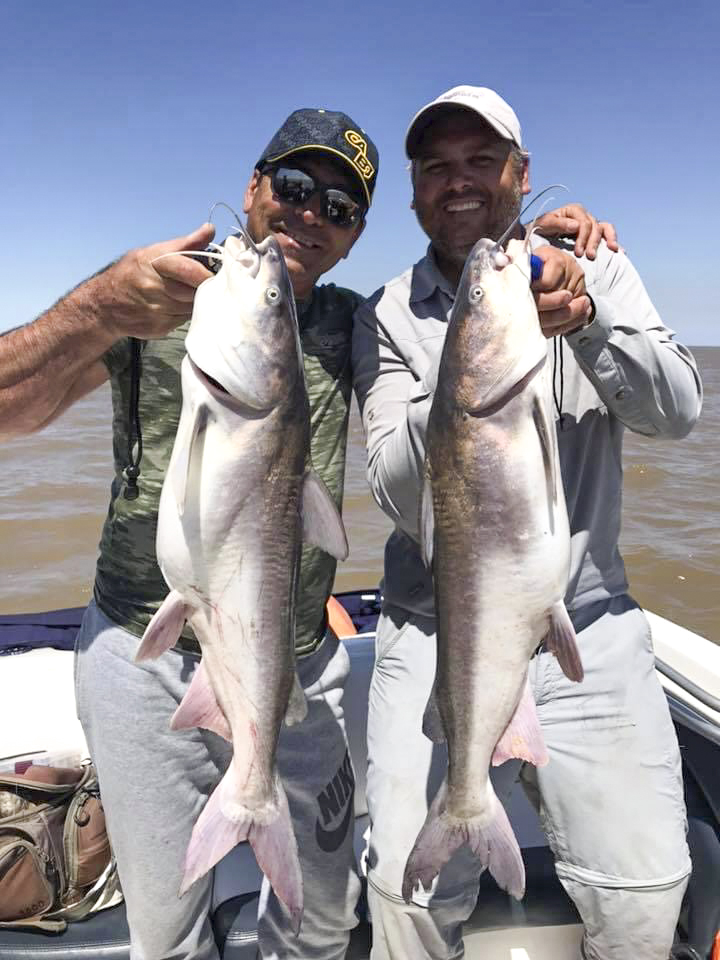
(423, 118)
(324, 149)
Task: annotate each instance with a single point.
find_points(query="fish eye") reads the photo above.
(272, 295)
(476, 292)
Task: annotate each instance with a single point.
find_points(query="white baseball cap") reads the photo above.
(481, 100)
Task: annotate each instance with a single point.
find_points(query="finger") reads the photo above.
(555, 300)
(573, 314)
(555, 224)
(593, 240)
(185, 270)
(174, 291)
(198, 239)
(586, 228)
(610, 235)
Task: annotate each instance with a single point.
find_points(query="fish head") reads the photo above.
(494, 323)
(243, 337)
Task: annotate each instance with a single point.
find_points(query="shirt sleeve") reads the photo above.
(394, 402)
(646, 379)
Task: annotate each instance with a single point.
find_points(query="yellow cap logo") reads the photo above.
(360, 160)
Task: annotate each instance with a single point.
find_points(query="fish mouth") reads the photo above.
(212, 385)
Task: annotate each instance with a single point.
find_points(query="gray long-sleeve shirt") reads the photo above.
(623, 370)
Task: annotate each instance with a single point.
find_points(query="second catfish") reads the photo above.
(494, 528)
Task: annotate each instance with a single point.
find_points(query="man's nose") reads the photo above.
(460, 178)
(310, 211)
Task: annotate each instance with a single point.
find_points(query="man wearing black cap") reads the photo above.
(611, 795)
(312, 189)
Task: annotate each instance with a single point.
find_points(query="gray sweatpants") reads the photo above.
(610, 799)
(154, 783)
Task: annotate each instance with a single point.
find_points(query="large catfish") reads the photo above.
(494, 526)
(237, 501)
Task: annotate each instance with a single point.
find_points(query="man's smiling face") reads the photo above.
(467, 185)
(310, 244)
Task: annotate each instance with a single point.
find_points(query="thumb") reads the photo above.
(183, 269)
(197, 240)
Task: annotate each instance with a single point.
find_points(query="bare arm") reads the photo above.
(50, 363)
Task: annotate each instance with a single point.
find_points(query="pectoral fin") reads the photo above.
(561, 641)
(188, 455)
(164, 629)
(547, 446)
(322, 523)
(297, 704)
(427, 523)
(432, 721)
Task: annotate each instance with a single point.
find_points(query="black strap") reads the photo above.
(132, 470)
(557, 346)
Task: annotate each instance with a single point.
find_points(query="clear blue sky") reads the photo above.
(123, 122)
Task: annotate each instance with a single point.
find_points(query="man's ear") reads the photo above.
(251, 190)
(525, 179)
(356, 236)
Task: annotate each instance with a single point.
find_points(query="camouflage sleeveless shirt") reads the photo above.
(129, 587)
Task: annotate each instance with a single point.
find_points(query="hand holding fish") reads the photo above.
(148, 293)
(562, 301)
(573, 220)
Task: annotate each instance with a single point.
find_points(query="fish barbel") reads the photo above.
(494, 527)
(238, 499)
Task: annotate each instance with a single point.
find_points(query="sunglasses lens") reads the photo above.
(294, 186)
(341, 209)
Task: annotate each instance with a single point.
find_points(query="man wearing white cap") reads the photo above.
(610, 798)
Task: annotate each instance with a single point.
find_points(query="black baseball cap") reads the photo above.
(334, 133)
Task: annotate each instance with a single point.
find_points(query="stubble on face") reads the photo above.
(467, 185)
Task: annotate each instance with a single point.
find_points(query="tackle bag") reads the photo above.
(56, 864)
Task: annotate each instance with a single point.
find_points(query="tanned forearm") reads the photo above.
(53, 361)
(44, 361)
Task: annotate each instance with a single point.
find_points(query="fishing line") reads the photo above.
(241, 226)
(525, 209)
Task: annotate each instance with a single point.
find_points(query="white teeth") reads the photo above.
(458, 206)
(307, 244)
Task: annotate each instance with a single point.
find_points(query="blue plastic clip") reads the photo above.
(536, 267)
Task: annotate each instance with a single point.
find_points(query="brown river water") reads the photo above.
(54, 493)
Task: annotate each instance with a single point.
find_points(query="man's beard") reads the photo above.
(506, 210)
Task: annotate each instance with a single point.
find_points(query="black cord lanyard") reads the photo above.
(132, 470)
(558, 347)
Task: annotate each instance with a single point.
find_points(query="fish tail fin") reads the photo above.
(275, 850)
(493, 843)
(561, 641)
(523, 739)
(164, 629)
(271, 836)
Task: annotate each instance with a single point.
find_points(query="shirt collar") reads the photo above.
(303, 309)
(427, 278)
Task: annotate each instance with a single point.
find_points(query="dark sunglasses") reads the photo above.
(297, 187)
